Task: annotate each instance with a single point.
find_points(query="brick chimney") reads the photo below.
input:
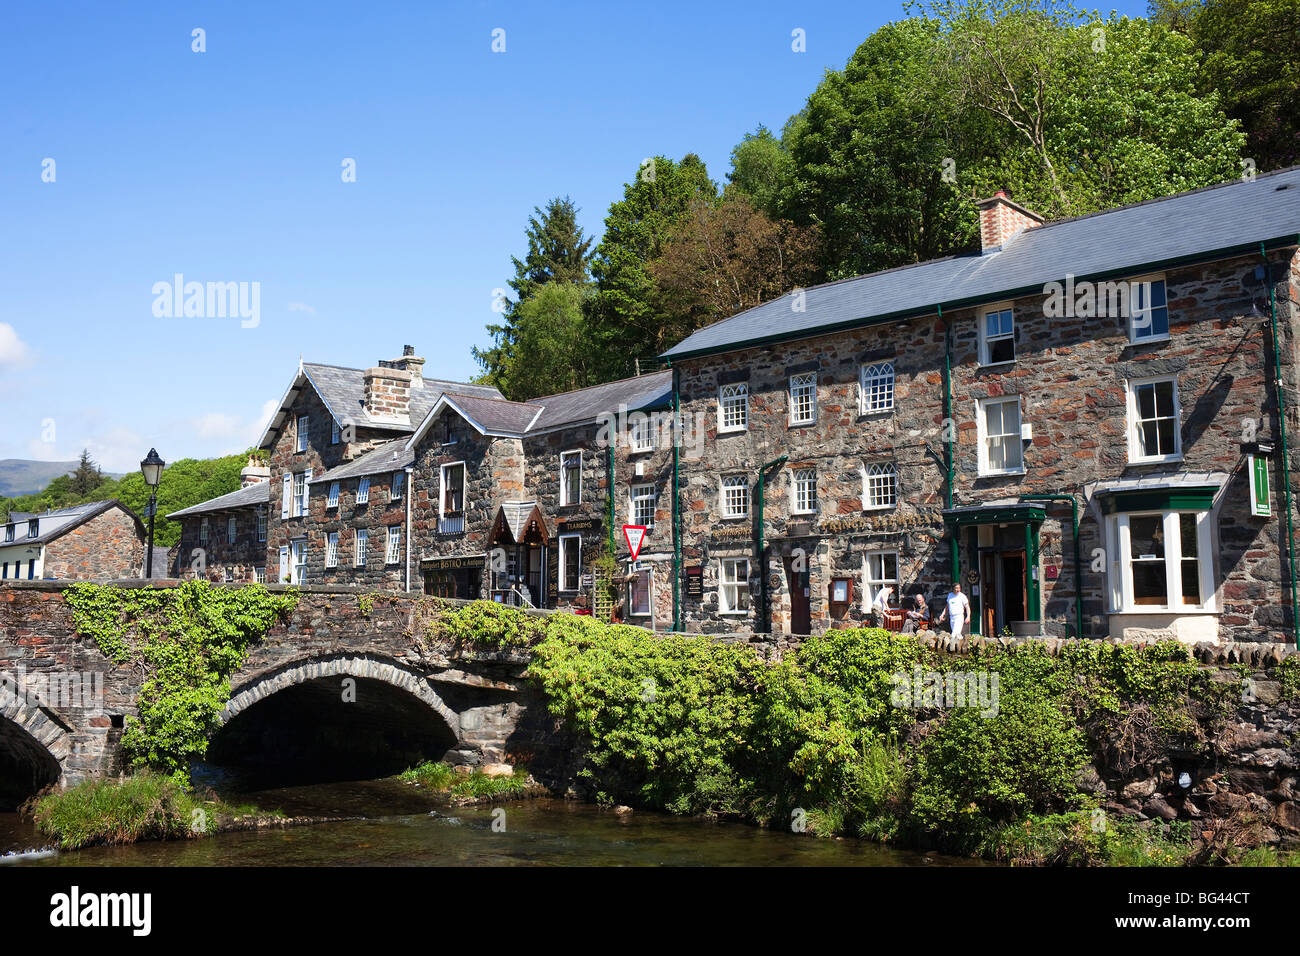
(410, 362)
(1001, 220)
(254, 473)
(388, 393)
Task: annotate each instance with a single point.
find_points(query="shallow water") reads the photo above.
(403, 825)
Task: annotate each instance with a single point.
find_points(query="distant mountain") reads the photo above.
(21, 477)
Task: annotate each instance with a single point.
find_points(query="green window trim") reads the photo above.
(1158, 499)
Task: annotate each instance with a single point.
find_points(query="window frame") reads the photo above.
(261, 525)
(735, 584)
(642, 427)
(363, 491)
(729, 481)
(1130, 327)
(231, 529)
(794, 400)
(205, 532)
(986, 341)
(870, 584)
(634, 498)
(865, 386)
(565, 501)
(1135, 455)
(739, 395)
(331, 549)
(301, 434)
(300, 493)
(360, 554)
(1120, 600)
(393, 545)
(334, 431)
(442, 488)
(332, 498)
(984, 470)
(565, 542)
(397, 486)
(877, 469)
(803, 476)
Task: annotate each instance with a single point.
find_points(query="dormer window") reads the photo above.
(33, 528)
(9, 532)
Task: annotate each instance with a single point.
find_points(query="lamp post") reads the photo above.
(151, 468)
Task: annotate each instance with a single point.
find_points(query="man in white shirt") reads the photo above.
(880, 605)
(957, 609)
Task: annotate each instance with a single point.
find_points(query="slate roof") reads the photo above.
(343, 392)
(258, 494)
(390, 456)
(653, 390)
(521, 419)
(53, 524)
(1227, 219)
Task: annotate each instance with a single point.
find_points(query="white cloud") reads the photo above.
(13, 350)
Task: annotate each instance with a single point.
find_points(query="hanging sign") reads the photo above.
(1261, 498)
(635, 534)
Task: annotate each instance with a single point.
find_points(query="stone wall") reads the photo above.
(107, 546)
(377, 515)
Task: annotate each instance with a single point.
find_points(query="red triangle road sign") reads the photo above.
(635, 534)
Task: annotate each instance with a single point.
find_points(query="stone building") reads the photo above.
(1081, 422)
(100, 540)
(943, 421)
(224, 538)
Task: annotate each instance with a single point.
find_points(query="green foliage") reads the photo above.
(187, 641)
(666, 718)
(1071, 839)
(484, 623)
(145, 806)
(542, 347)
(1288, 677)
(443, 777)
(627, 314)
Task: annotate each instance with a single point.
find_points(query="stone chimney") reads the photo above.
(388, 393)
(254, 473)
(410, 362)
(1001, 220)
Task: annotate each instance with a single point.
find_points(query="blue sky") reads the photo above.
(225, 166)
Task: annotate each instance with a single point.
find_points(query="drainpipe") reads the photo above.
(1286, 464)
(949, 441)
(410, 493)
(609, 480)
(764, 610)
(1078, 580)
(677, 514)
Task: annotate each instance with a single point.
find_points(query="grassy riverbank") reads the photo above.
(146, 806)
(476, 784)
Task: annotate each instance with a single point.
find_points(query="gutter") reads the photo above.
(1286, 463)
(949, 427)
(410, 493)
(677, 513)
(765, 616)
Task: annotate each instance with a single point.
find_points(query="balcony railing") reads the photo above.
(453, 524)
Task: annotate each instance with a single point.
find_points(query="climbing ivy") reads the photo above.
(187, 641)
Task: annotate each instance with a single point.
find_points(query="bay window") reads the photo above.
(1161, 561)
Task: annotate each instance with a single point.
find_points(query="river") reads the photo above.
(400, 825)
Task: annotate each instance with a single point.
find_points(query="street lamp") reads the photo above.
(152, 469)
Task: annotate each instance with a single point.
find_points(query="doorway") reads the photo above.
(800, 598)
(1002, 575)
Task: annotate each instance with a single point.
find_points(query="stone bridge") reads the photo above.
(349, 685)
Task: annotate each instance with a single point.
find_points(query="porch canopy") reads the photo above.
(519, 522)
(1008, 511)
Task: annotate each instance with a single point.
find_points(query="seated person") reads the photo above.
(917, 617)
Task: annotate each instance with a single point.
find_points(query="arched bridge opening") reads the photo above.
(347, 718)
(27, 764)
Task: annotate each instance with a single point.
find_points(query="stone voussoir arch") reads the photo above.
(46, 732)
(263, 685)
